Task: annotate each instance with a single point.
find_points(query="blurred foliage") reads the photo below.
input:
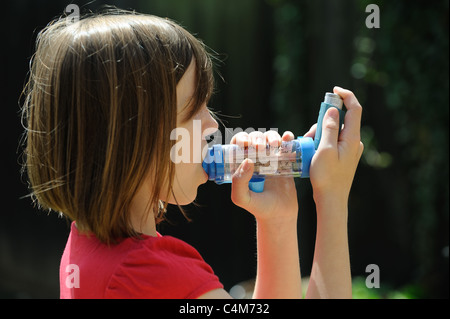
(360, 291)
(408, 67)
(244, 290)
(399, 73)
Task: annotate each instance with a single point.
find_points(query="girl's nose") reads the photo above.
(209, 124)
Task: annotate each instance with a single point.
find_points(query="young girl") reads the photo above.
(103, 97)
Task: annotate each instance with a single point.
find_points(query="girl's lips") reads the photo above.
(204, 174)
(204, 150)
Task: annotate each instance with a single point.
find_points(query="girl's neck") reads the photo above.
(141, 216)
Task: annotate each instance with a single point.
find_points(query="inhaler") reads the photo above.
(291, 158)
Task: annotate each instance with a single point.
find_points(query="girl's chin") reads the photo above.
(186, 194)
(205, 176)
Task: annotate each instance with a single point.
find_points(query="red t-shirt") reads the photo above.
(152, 267)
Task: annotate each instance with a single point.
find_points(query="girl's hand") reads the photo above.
(278, 201)
(334, 165)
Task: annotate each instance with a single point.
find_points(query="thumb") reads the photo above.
(330, 129)
(240, 193)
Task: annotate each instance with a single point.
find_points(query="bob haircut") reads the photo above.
(100, 104)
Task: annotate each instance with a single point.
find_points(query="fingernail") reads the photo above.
(273, 140)
(244, 167)
(333, 113)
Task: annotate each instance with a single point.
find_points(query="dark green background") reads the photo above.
(277, 59)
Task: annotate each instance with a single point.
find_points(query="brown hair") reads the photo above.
(100, 104)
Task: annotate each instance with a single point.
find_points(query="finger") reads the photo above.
(240, 193)
(242, 139)
(312, 131)
(288, 136)
(273, 138)
(257, 140)
(330, 129)
(352, 120)
(360, 149)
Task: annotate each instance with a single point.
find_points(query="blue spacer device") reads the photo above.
(213, 164)
(304, 147)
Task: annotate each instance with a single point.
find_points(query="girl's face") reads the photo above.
(191, 140)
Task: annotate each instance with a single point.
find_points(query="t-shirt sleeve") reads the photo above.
(166, 269)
